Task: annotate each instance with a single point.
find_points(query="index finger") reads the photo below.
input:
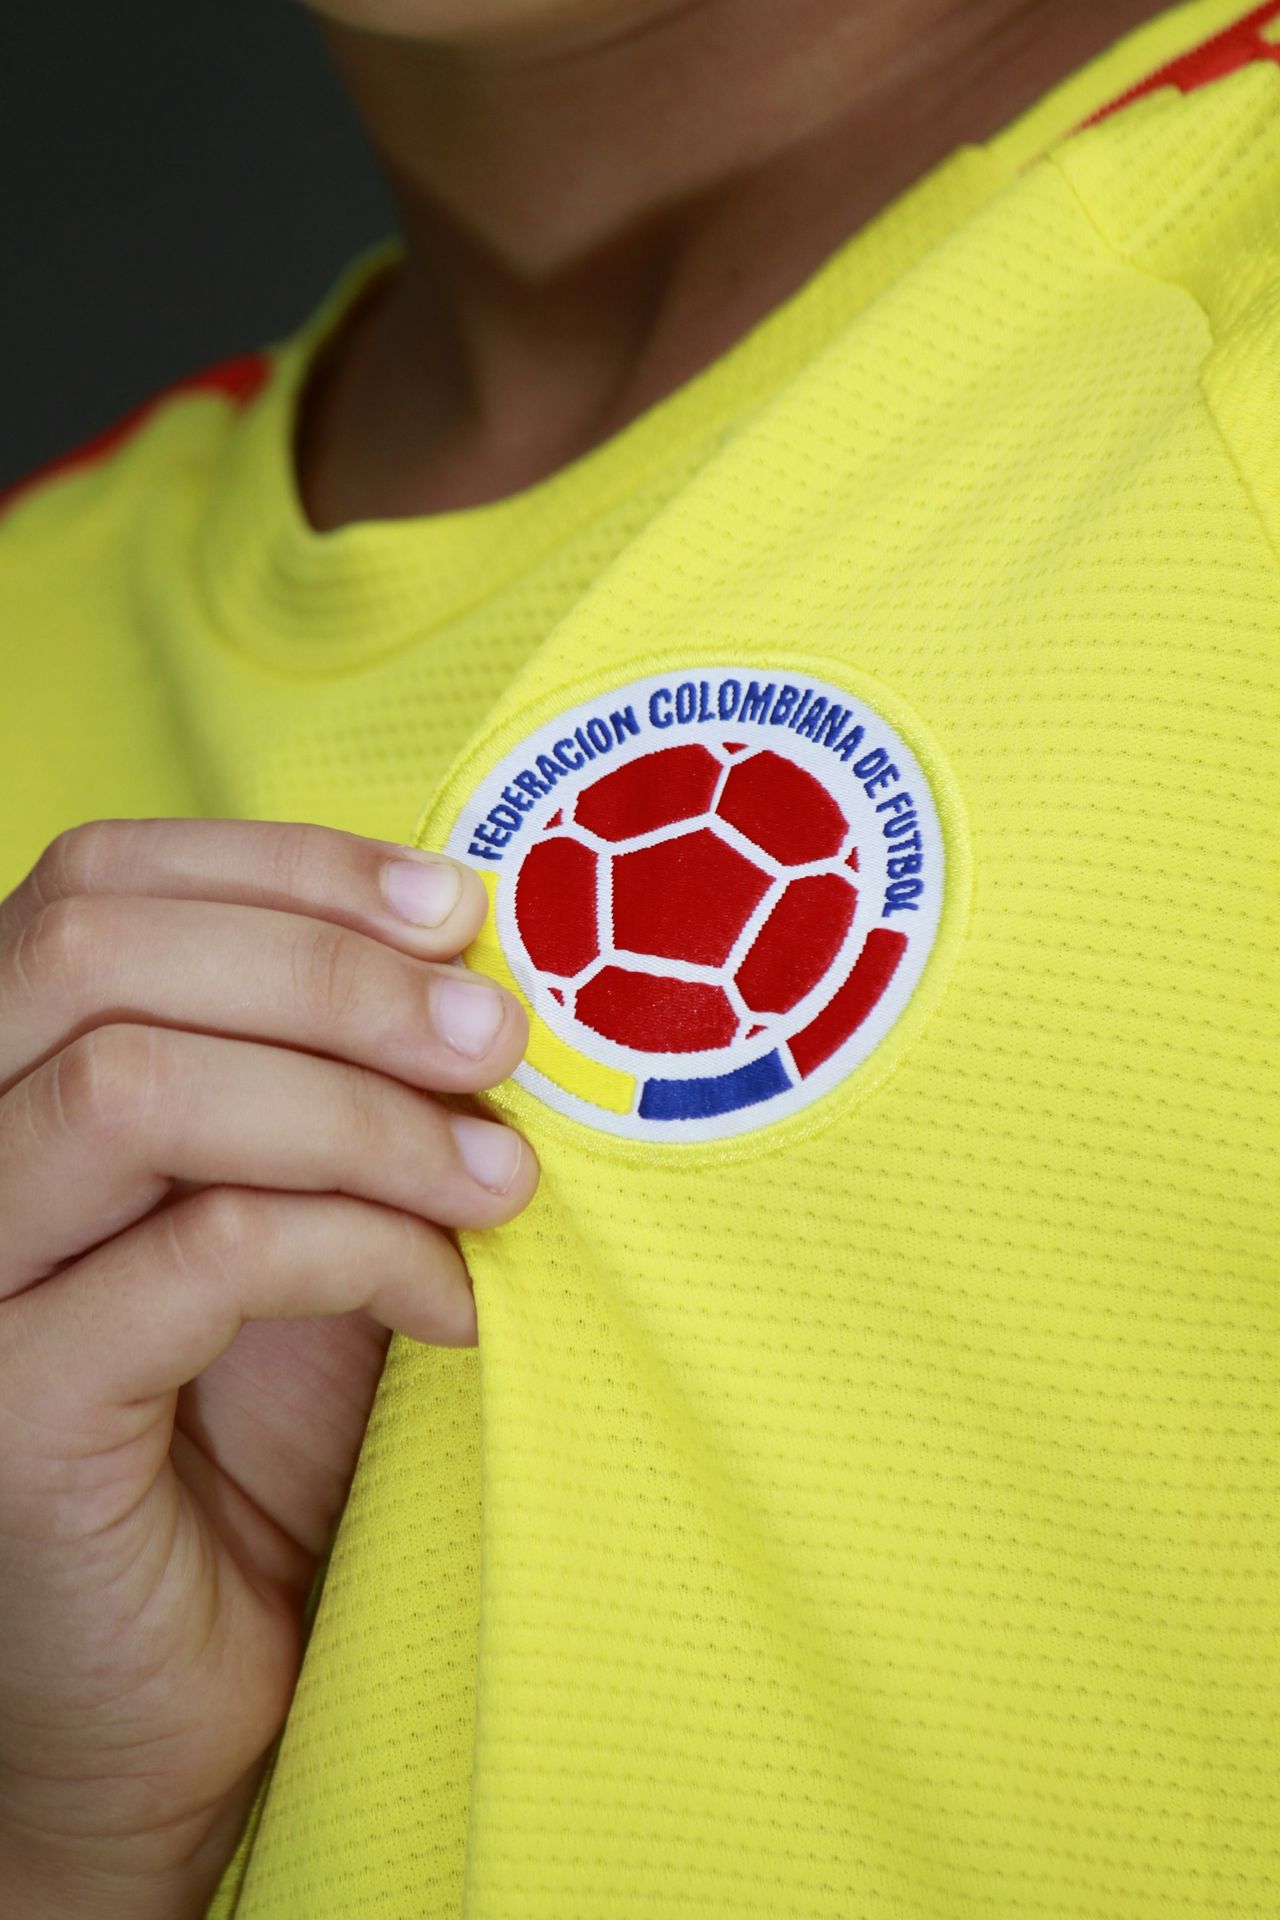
(421, 902)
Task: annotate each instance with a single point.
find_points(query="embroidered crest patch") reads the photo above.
(715, 894)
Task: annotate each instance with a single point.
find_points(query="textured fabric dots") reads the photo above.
(1243, 43)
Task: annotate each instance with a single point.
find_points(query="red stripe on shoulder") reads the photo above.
(1235, 47)
(239, 379)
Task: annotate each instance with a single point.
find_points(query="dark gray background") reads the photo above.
(183, 180)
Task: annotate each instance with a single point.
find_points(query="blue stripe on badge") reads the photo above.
(721, 1093)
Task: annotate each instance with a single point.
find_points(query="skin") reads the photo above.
(600, 197)
(234, 1135)
(233, 1138)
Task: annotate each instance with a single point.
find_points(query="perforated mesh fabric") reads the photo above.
(876, 1514)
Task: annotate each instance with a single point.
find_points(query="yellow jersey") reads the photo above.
(864, 1498)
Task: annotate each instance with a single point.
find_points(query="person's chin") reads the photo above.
(493, 22)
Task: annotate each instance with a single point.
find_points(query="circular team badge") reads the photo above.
(715, 895)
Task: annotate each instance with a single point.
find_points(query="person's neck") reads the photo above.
(590, 221)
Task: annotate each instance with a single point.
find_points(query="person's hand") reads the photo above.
(220, 1050)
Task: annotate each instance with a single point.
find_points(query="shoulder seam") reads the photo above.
(238, 380)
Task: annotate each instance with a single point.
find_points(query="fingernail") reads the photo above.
(420, 891)
(491, 1154)
(468, 1015)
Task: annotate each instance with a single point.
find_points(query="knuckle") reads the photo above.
(108, 1080)
(327, 972)
(74, 859)
(216, 1230)
(63, 943)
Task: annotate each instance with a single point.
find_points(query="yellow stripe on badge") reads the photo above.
(606, 1087)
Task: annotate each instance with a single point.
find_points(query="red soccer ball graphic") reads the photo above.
(689, 898)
